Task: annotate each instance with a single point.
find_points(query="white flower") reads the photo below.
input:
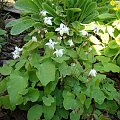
(17, 49)
(104, 37)
(110, 30)
(51, 44)
(15, 56)
(43, 13)
(118, 39)
(84, 33)
(92, 73)
(70, 42)
(59, 52)
(62, 29)
(47, 20)
(34, 38)
(116, 23)
(17, 52)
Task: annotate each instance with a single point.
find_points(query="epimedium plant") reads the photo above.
(60, 72)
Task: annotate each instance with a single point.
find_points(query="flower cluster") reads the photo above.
(62, 29)
(17, 52)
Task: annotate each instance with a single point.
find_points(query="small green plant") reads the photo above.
(60, 72)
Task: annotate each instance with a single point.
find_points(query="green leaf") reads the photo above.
(98, 95)
(82, 97)
(69, 101)
(74, 115)
(77, 26)
(11, 62)
(109, 91)
(49, 111)
(22, 26)
(72, 53)
(30, 46)
(64, 69)
(59, 98)
(76, 70)
(97, 113)
(27, 6)
(2, 32)
(5, 70)
(111, 106)
(89, 18)
(56, 117)
(118, 114)
(118, 60)
(90, 8)
(57, 21)
(5, 102)
(106, 15)
(3, 85)
(36, 17)
(46, 72)
(32, 95)
(48, 100)
(49, 9)
(49, 35)
(110, 52)
(118, 14)
(62, 113)
(112, 44)
(52, 85)
(102, 117)
(35, 112)
(16, 86)
(60, 59)
(87, 102)
(74, 9)
(102, 9)
(20, 64)
(103, 59)
(91, 57)
(38, 3)
(81, 54)
(16, 21)
(111, 67)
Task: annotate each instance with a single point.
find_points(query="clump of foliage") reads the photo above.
(60, 73)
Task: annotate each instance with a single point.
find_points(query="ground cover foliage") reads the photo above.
(61, 71)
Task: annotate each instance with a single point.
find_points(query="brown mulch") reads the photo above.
(12, 115)
(6, 54)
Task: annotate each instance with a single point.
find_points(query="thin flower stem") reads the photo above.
(116, 55)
